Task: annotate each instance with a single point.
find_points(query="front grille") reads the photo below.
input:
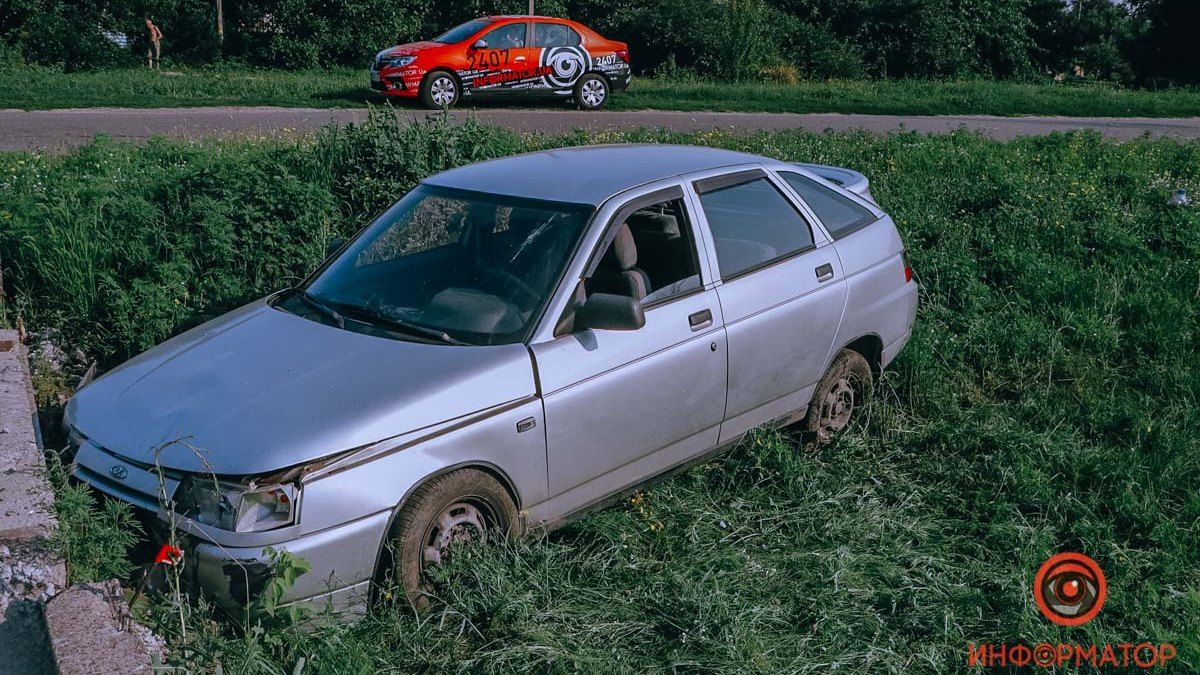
(135, 482)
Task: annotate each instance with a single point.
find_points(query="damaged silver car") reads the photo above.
(511, 344)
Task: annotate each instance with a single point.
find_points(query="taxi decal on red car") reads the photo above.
(505, 55)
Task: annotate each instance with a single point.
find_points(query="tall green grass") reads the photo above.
(1047, 402)
(34, 88)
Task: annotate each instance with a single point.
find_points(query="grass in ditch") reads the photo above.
(1047, 402)
(42, 88)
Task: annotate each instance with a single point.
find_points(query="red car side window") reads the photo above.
(511, 36)
(555, 35)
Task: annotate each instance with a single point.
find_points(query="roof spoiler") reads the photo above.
(846, 178)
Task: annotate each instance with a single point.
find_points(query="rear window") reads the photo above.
(840, 214)
(461, 32)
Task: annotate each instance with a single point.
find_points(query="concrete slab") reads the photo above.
(92, 632)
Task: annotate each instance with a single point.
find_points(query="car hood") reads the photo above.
(409, 48)
(258, 390)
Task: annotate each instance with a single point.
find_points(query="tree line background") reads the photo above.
(1137, 42)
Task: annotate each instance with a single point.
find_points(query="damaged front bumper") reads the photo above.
(233, 568)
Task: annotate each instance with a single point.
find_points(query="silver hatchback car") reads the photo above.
(511, 344)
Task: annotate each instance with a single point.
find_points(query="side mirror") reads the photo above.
(605, 311)
(479, 44)
(333, 246)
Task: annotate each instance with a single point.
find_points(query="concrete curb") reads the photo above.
(93, 634)
(30, 571)
(44, 628)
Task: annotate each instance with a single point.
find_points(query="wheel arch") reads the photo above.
(604, 76)
(382, 554)
(870, 346)
(458, 81)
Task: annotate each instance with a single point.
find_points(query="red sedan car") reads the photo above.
(505, 55)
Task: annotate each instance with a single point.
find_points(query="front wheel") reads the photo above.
(439, 90)
(464, 505)
(591, 92)
(840, 393)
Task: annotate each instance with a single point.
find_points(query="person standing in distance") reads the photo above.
(154, 49)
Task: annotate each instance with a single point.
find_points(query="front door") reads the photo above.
(505, 64)
(622, 406)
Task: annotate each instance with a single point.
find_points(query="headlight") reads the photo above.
(237, 508)
(398, 61)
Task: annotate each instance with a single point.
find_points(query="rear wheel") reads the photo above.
(462, 506)
(439, 90)
(591, 92)
(843, 389)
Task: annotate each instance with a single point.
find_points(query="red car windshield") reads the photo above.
(461, 32)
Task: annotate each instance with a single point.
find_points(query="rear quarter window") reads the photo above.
(840, 214)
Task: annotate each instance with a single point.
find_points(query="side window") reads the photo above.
(511, 36)
(651, 258)
(752, 223)
(554, 35)
(840, 214)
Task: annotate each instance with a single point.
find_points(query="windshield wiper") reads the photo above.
(400, 325)
(325, 309)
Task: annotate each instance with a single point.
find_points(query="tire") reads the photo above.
(440, 90)
(841, 391)
(419, 535)
(591, 92)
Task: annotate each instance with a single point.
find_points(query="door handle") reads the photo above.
(700, 319)
(824, 272)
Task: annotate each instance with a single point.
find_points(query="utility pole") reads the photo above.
(531, 7)
(221, 23)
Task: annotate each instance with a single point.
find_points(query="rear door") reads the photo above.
(561, 57)
(781, 292)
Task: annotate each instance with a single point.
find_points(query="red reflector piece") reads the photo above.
(907, 274)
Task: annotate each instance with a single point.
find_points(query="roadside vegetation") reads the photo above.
(1045, 403)
(40, 88)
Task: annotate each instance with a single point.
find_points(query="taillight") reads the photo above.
(623, 54)
(907, 267)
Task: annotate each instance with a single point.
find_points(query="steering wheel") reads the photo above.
(515, 282)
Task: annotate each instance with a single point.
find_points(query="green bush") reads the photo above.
(1144, 40)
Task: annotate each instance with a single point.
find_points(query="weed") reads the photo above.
(35, 88)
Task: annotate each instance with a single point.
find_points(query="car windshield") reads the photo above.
(451, 266)
(461, 32)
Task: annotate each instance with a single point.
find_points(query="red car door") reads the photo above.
(503, 62)
(561, 56)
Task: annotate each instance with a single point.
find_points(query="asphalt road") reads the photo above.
(58, 129)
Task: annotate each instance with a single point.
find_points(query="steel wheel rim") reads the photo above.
(459, 522)
(442, 91)
(593, 93)
(837, 407)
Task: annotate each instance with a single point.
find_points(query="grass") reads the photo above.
(1047, 402)
(41, 88)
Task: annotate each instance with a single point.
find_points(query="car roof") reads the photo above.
(587, 174)
(524, 17)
